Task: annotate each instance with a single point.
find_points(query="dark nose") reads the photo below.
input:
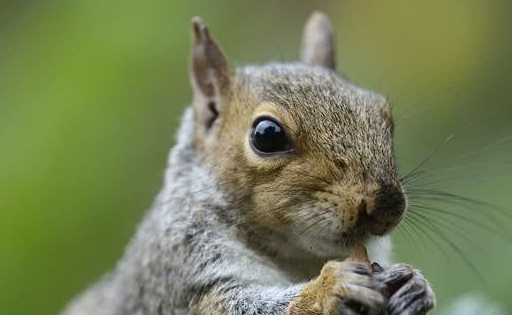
(389, 204)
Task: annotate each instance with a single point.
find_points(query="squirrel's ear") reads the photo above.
(317, 41)
(209, 74)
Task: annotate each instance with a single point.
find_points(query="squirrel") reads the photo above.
(279, 171)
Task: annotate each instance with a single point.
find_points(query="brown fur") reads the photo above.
(344, 149)
(235, 231)
(323, 295)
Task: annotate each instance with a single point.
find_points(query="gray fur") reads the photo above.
(196, 251)
(184, 247)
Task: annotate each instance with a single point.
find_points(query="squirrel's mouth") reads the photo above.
(361, 233)
(352, 237)
(376, 227)
(365, 227)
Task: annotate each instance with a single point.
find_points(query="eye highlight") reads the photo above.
(268, 137)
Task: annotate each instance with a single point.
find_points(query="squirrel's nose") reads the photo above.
(386, 210)
(389, 204)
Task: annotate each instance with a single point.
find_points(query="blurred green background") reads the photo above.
(91, 93)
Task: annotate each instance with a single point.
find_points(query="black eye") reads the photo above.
(268, 136)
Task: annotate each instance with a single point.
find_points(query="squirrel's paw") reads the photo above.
(342, 288)
(409, 291)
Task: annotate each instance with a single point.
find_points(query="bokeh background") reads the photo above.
(91, 93)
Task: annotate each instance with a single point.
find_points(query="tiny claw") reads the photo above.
(376, 268)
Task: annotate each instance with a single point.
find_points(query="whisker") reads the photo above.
(459, 231)
(427, 158)
(457, 250)
(418, 225)
(463, 202)
(463, 218)
(493, 144)
(415, 231)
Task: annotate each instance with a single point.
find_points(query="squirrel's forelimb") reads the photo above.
(279, 171)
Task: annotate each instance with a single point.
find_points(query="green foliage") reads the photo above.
(91, 93)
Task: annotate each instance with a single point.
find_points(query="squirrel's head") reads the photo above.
(301, 151)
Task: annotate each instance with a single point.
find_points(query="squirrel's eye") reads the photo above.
(268, 136)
